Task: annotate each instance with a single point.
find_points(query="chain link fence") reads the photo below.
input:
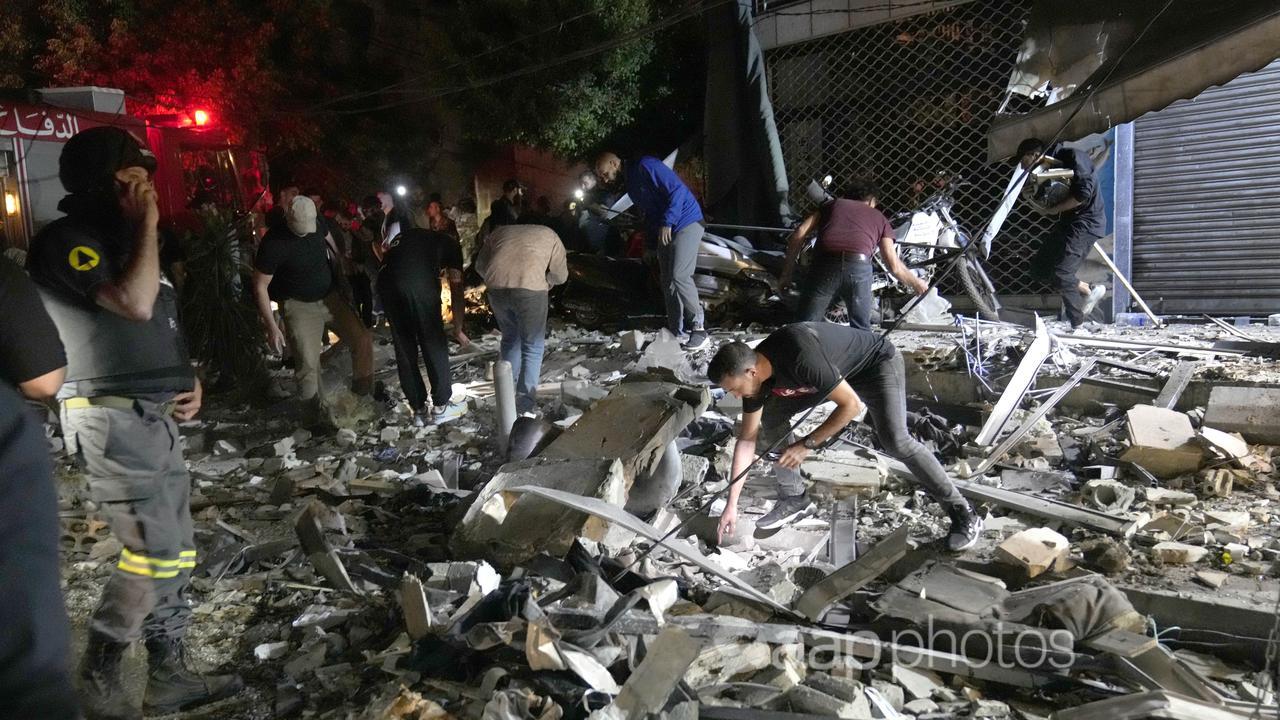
(904, 101)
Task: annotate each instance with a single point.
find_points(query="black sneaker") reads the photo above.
(787, 510)
(966, 526)
(698, 339)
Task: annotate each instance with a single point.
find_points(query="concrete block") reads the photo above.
(346, 438)
(1212, 579)
(918, 683)
(1165, 496)
(391, 433)
(924, 706)
(1176, 553)
(632, 341)
(507, 528)
(1037, 551)
(1254, 412)
(1109, 495)
(1162, 441)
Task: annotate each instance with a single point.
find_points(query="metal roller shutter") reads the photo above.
(1206, 200)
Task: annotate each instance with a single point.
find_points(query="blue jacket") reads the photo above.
(661, 195)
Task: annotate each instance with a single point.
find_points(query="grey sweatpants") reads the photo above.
(676, 262)
(133, 460)
(883, 389)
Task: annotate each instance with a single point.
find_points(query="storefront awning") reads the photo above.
(1070, 48)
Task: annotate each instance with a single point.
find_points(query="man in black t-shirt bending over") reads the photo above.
(801, 365)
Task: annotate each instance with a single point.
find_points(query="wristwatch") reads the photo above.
(810, 443)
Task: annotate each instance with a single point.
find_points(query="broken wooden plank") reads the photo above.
(618, 516)
(1177, 383)
(1018, 385)
(839, 585)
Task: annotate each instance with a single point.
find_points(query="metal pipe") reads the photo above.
(760, 228)
(504, 387)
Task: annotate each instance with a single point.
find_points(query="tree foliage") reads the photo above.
(565, 107)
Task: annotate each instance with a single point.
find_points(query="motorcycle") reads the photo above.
(926, 237)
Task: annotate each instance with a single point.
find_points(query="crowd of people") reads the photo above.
(93, 326)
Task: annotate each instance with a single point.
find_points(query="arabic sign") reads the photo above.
(37, 123)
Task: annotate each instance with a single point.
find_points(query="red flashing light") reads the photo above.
(201, 117)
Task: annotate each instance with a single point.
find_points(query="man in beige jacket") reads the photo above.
(520, 264)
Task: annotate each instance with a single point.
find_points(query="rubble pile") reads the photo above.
(1127, 568)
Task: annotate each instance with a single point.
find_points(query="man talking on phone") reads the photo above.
(128, 383)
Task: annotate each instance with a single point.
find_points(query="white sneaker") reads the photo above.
(441, 414)
(1096, 293)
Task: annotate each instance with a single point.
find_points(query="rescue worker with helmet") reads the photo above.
(129, 381)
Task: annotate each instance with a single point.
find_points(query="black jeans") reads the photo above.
(883, 389)
(1057, 262)
(833, 276)
(416, 324)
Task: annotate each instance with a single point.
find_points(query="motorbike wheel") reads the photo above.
(979, 288)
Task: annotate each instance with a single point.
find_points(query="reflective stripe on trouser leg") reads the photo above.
(133, 460)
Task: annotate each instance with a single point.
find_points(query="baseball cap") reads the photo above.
(91, 158)
(301, 216)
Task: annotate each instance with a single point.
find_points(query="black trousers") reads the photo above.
(417, 326)
(883, 389)
(1057, 262)
(831, 277)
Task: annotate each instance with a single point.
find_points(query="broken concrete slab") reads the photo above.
(632, 341)
(665, 662)
(1165, 496)
(918, 684)
(1230, 445)
(1254, 412)
(819, 598)
(1036, 551)
(1176, 553)
(1162, 441)
(1212, 579)
(580, 393)
(509, 528)
(634, 423)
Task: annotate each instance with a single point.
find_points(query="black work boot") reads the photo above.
(966, 526)
(102, 692)
(172, 686)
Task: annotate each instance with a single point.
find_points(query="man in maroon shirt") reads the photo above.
(850, 229)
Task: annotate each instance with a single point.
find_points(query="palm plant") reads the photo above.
(219, 320)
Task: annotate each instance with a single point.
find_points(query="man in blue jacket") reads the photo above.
(673, 217)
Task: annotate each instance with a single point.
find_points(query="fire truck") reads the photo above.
(197, 163)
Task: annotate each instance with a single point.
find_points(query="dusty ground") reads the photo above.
(240, 608)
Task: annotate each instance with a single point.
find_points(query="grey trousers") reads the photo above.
(133, 460)
(676, 262)
(883, 389)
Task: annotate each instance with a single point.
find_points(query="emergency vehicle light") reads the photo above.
(201, 117)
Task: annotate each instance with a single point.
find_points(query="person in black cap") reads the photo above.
(129, 381)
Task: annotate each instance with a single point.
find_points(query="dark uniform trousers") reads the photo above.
(133, 460)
